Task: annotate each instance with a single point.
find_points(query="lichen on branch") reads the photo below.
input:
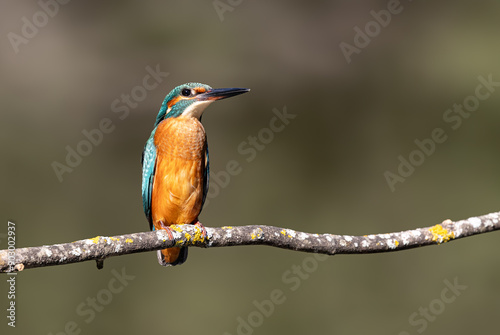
(102, 247)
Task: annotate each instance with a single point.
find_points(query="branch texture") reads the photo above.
(101, 247)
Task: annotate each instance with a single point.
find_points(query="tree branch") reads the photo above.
(101, 247)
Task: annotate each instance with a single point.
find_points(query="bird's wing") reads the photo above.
(148, 174)
(206, 176)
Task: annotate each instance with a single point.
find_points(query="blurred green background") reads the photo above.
(323, 173)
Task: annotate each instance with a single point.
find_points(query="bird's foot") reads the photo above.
(202, 228)
(167, 229)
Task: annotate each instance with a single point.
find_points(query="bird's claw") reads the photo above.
(167, 230)
(202, 228)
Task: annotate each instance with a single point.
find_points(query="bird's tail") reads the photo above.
(172, 256)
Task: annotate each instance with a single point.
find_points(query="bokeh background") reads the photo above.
(323, 173)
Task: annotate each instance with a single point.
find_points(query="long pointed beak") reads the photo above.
(221, 93)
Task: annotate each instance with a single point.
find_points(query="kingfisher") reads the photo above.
(175, 165)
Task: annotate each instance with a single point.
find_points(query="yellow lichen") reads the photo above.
(114, 239)
(441, 235)
(95, 240)
(129, 240)
(396, 243)
(284, 233)
(259, 234)
(198, 236)
(176, 228)
(227, 227)
(187, 236)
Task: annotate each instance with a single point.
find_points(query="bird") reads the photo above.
(175, 164)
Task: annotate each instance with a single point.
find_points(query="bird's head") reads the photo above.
(191, 99)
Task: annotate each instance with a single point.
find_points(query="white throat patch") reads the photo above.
(196, 109)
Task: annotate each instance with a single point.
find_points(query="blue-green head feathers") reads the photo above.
(191, 99)
(179, 99)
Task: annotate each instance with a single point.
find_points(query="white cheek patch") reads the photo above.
(196, 109)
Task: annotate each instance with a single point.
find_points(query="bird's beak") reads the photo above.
(221, 93)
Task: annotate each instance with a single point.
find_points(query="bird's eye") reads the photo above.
(186, 92)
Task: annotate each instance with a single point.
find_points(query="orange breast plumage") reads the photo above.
(179, 176)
